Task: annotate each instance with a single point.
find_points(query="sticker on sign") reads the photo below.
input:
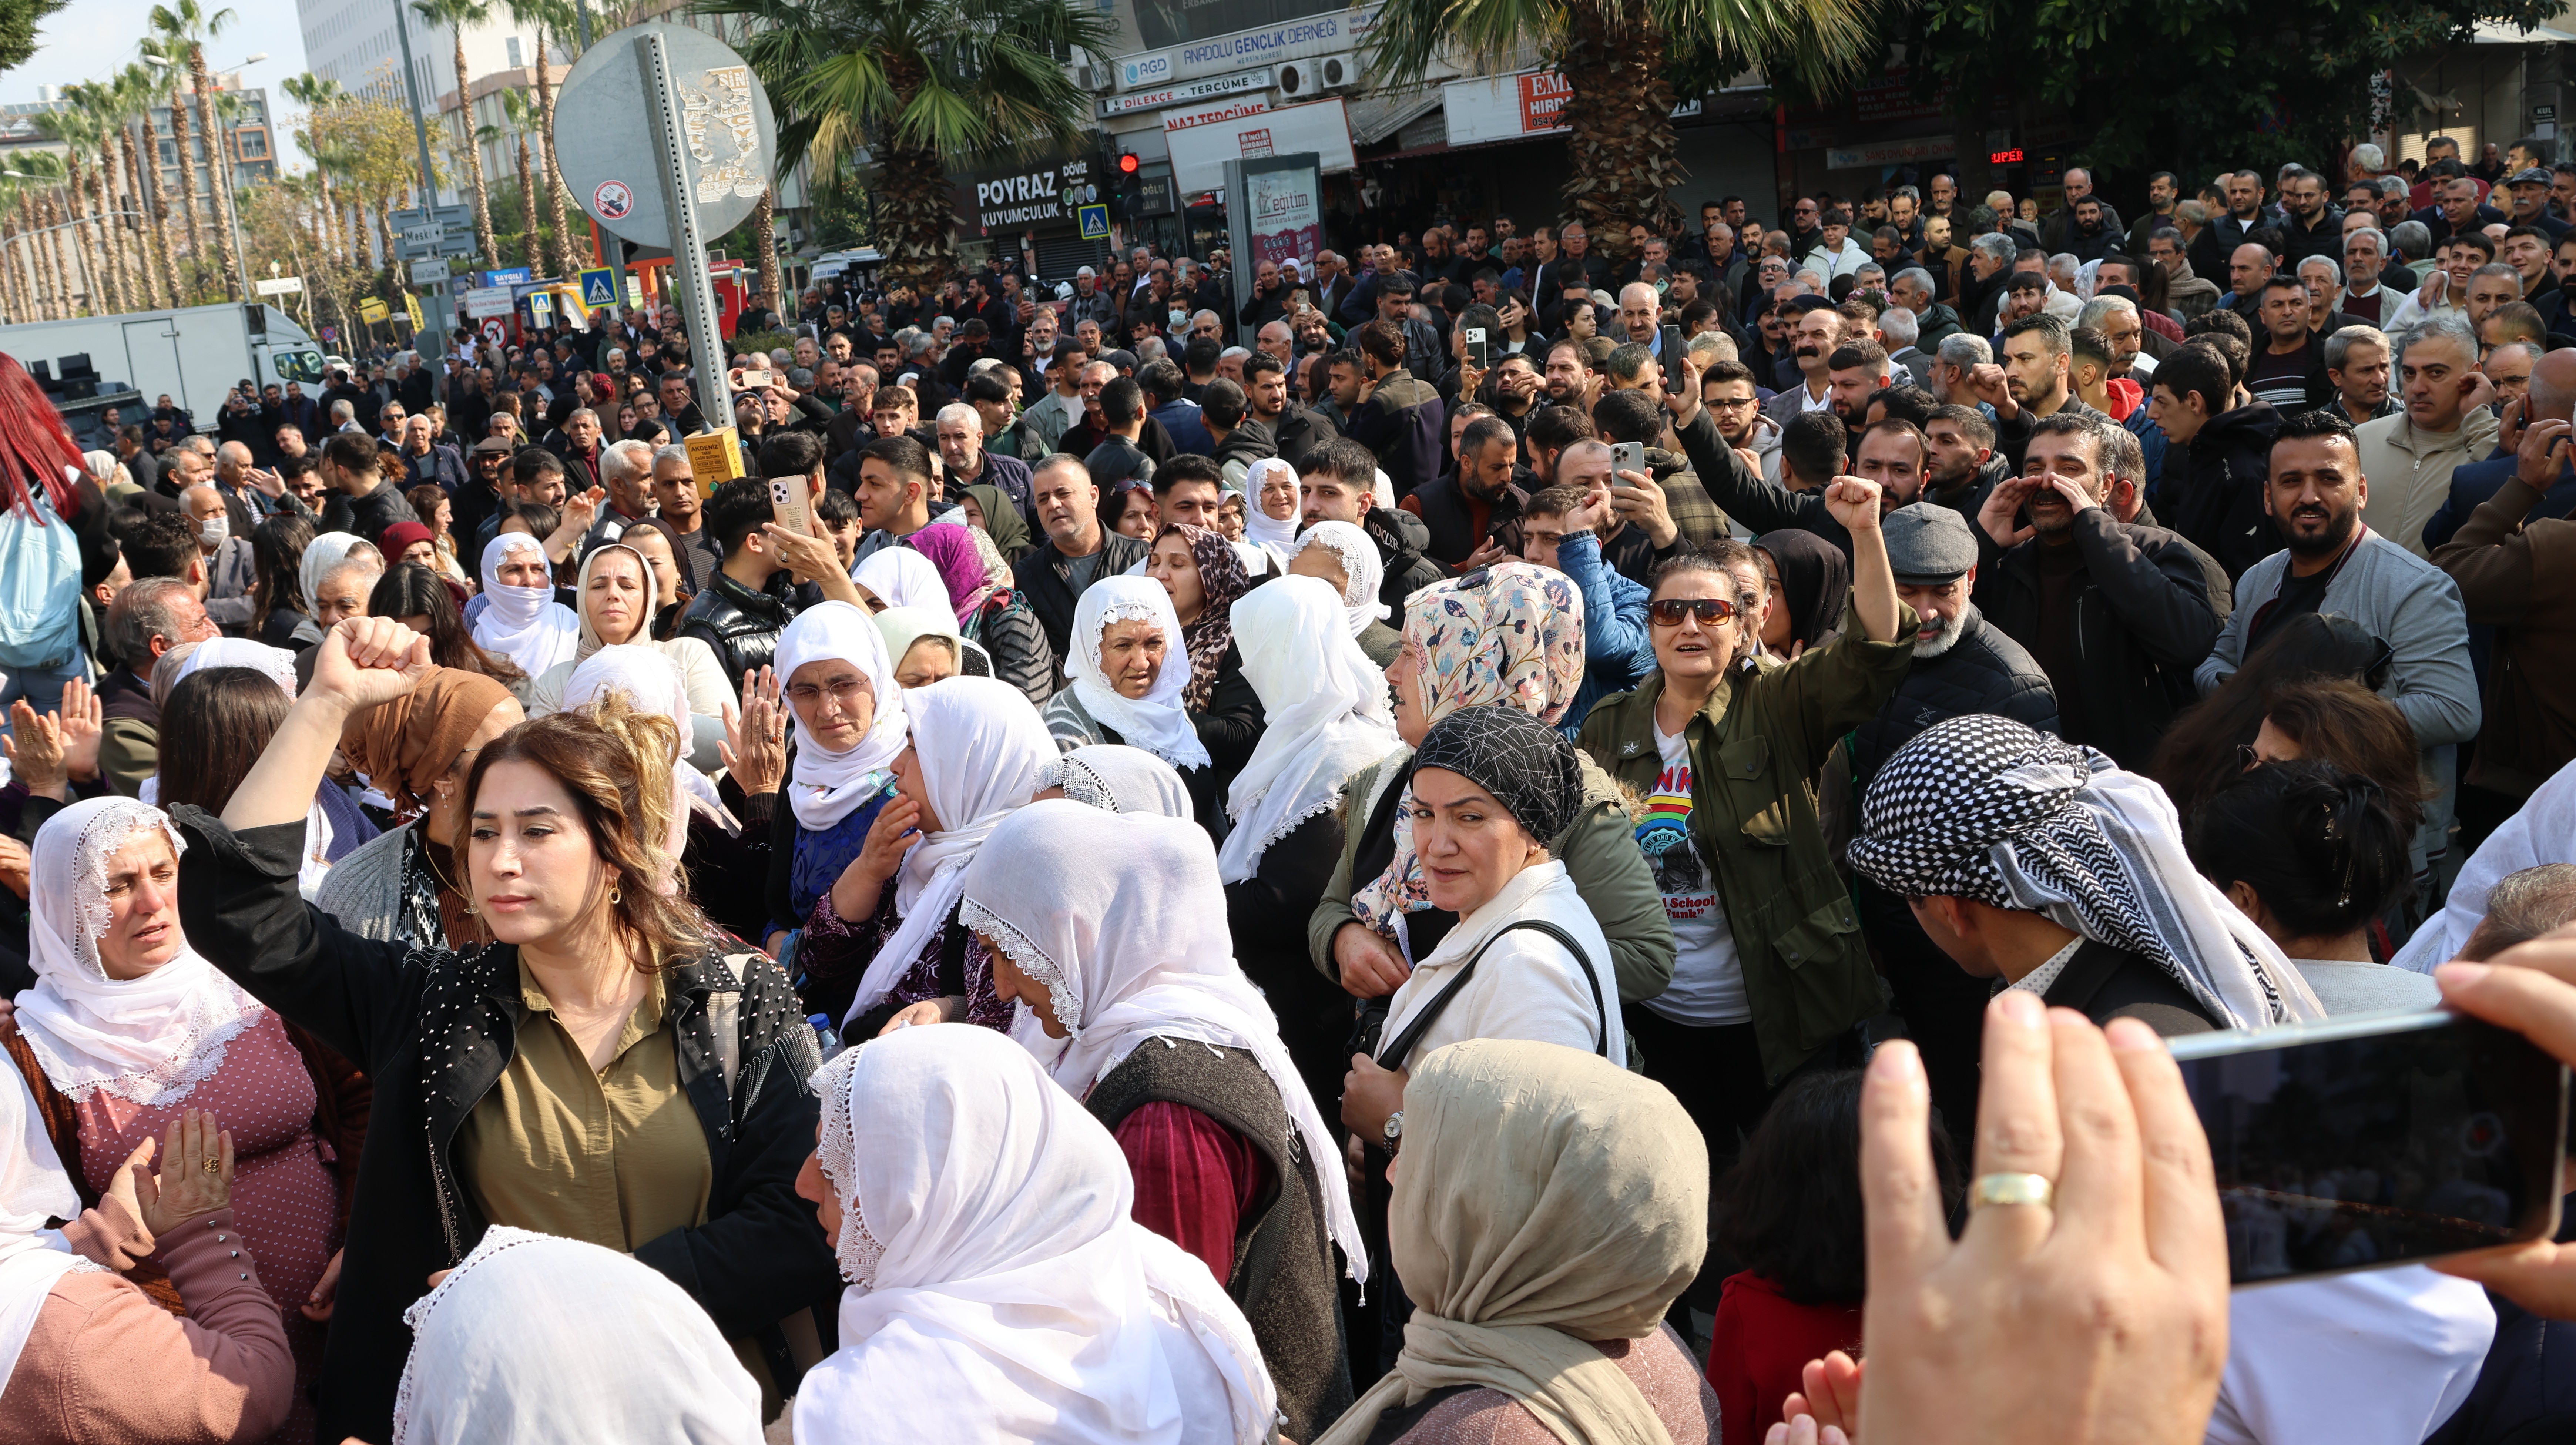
(1255, 142)
(613, 200)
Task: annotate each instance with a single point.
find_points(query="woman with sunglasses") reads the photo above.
(1769, 967)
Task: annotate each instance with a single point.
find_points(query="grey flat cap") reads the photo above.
(1928, 543)
(2528, 176)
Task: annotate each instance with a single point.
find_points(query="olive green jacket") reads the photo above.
(1599, 851)
(129, 750)
(1755, 750)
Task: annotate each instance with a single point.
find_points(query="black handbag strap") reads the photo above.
(1392, 1056)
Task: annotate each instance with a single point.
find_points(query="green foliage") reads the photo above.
(18, 20)
(763, 342)
(2199, 86)
(1805, 46)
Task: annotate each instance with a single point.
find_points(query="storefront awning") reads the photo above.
(1375, 117)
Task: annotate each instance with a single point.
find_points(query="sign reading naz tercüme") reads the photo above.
(1032, 196)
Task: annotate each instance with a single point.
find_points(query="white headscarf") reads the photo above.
(828, 786)
(591, 641)
(1363, 569)
(276, 662)
(1155, 722)
(525, 624)
(1122, 920)
(539, 1338)
(1000, 1287)
(652, 683)
(902, 577)
(321, 555)
(981, 748)
(33, 1189)
(1259, 527)
(147, 1040)
(1327, 709)
(1116, 778)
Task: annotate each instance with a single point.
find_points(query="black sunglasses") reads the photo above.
(1668, 611)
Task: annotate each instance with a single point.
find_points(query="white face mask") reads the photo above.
(1180, 320)
(212, 531)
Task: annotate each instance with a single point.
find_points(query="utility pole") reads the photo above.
(436, 316)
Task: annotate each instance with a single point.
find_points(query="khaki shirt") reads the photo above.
(616, 1157)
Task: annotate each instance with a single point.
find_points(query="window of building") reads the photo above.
(251, 145)
(515, 61)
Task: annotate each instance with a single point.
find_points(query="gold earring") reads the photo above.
(615, 897)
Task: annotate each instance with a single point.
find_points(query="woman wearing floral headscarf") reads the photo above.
(1512, 634)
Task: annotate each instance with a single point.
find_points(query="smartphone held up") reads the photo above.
(2377, 1139)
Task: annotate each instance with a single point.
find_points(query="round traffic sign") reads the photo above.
(729, 137)
(495, 333)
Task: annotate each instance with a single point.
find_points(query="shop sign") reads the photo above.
(1044, 195)
(1323, 33)
(1510, 107)
(1186, 92)
(1199, 153)
(1891, 153)
(1223, 110)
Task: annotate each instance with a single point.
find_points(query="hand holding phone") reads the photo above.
(787, 503)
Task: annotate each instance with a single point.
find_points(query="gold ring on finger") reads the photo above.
(1988, 1189)
(214, 1166)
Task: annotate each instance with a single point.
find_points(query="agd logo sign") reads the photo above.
(1137, 70)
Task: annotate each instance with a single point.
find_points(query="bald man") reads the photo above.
(229, 566)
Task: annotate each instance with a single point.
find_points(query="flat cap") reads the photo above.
(2529, 176)
(1928, 543)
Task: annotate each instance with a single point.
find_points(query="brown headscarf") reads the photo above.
(405, 746)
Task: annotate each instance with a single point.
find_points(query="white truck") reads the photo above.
(196, 354)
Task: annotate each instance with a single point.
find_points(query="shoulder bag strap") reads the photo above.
(1392, 1056)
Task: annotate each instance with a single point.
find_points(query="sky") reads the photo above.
(92, 39)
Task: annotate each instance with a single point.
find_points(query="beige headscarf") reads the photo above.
(1545, 1198)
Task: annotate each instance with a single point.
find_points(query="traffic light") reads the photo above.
(1127, 188)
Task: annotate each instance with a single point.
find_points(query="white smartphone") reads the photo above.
(787, 503)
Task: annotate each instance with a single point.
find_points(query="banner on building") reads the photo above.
(1512, 107)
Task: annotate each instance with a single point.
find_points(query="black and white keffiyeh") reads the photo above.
(1986, 808)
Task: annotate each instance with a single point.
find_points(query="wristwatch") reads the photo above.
(1392, 1135)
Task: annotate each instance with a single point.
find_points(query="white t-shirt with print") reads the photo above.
(1708, 978)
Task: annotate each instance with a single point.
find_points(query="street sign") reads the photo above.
(411, 308)
(280, 286)
(598, 288)
(370, 309)
(458, 216)
(1095, 222)
(727, 136)
(487, 301)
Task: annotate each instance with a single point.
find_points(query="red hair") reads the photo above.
(33, 443)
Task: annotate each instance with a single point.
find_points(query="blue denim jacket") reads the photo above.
(1618, 650)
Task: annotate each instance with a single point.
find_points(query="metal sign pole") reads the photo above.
(437, 332)
(688, 245)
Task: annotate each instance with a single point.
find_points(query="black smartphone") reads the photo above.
(2376, 1140)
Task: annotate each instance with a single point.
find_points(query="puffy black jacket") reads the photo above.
(1300, 430)
(1401, 538)
(2147, 610)
(740, 624)
(1984, 671)
(2213, 489)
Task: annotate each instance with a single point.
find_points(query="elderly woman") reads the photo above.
(1343, 555)
(1511, 634)
(884, 941)
(1270, 513)
(620, 596)
(1109, 933)
(1000, 1286)
(93, 1356)
(520, 618)
(1547, 1210)
(1205, 577)
(1116, 778)
(321, 562)
(1125, 680)
(598, 984)
(129, 1028)
(1328, 719)
(926, 647)
(847, 726)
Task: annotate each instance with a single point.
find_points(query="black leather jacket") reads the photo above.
(740, 624)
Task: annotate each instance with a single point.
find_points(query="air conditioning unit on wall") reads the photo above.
(1305, 79)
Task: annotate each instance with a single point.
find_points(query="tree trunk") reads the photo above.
(566, 259)
(528, 203)
(22, 295)
(75, 196)
(190, 234)
(149, 200)
(474, 159)
(1623, 148)
(384, 233)
(915, 215)
(121, 269)
(764, 220)
(66, 299)
(219, 157)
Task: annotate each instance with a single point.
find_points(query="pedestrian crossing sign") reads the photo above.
(1095, 222)
(598, 288)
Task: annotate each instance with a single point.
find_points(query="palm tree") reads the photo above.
(72, 129)
(43, 211)
(135, 89)
(104, 116)
(520, 113)
(541, 14)
(459, 16)
(173, 68)
(1618, 58)
(184, 29)
(316, 93)
(917, 82)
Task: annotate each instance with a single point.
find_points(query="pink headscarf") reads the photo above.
(961, 567)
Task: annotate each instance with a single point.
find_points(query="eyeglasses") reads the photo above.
(806, 694)
(2247, 760)
(1668, 611)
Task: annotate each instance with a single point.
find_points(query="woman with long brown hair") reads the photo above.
(278, 614)
(605, 1068)
(418, 598)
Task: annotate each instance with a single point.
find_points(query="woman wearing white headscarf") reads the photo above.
(999, 1289)
(87, 1354)
(926, 646)
(618, 598)
(847, 725)
(536, 1337)
(1116, 778)
(1270, 507)
(901, 577)
(887, 927)
(1328, 719)
(322, 556)
(1343, 555)
(521, 619)
(1128, 668)
(128, 1027)
(1110, 934)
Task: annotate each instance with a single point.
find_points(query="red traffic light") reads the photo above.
(1127, 163)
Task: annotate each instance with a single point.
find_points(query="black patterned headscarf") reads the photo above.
(1222, 580)
(1983, 807)
(1528, 766)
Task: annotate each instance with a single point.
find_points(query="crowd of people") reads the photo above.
(1511, 859)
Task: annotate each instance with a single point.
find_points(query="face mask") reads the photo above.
(212, 531)
(1180, 320)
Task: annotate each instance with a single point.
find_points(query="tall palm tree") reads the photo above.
(520, 114)
(316, 93)
(173, 67)
(459, 16)
(1618, 58)
(184, 27)
(72, 129)
(135, 89)
(43, 210)
(917, 82)
(97, 103)
(543, 15)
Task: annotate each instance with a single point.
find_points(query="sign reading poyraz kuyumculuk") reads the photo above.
(604, 140)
